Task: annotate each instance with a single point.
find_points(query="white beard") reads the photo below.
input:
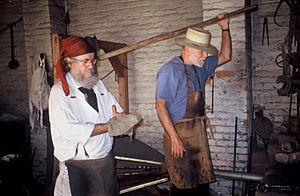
(87, 82)
(195, 60)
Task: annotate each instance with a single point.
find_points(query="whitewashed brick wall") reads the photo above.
(265, 70)
(229, 98)
(35, 37)
(13, 83)
(37, 40)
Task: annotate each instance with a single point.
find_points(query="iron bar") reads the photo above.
(235, 175)
(137, 160)
(234, 154)
(155, 182)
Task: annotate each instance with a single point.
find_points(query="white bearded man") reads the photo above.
(180, 105)
(79, 109)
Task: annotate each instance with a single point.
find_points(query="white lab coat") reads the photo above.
(72, 121)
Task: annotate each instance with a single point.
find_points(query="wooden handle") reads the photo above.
(175, 33)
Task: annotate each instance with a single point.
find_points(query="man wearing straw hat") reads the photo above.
(180, 103)
(79, 108)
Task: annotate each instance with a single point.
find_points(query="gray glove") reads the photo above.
(123, 125)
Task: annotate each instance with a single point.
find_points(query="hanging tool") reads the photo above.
(265, 31)
(286, 77)
(277, 8)
(11, 24)
(288, 59)
(67, 22)
(67, 19)
(13, 63)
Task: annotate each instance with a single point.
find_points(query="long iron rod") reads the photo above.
(137, 160)
(175, 33)
(220, 173)
(235, 175)
(234, 153)
(155, 182)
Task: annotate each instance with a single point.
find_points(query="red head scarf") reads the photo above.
(71, 46)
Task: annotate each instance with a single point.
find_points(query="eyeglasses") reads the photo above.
(85, 62)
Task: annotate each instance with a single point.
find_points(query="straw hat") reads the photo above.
(199, 39)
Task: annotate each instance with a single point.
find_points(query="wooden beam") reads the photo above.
(115, 61)
(175, 33)
(119, 63)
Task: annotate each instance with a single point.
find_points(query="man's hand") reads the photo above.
(114, 111)
(177, 147)
(224, 20)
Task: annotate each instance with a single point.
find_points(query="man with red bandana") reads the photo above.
(79, 108)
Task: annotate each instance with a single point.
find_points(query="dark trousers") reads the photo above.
(201, 190)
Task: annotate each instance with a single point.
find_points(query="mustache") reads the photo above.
(86, 80)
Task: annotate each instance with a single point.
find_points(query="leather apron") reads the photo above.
(93, 177)
(195, 167)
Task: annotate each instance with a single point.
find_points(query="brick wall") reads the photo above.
(13, 83)
(230, 94)
(265, 70)
(41, 18)
(37, 40)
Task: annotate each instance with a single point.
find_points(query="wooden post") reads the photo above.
(53, 161)
(123, 84)
(55, 53)
(119, 63)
